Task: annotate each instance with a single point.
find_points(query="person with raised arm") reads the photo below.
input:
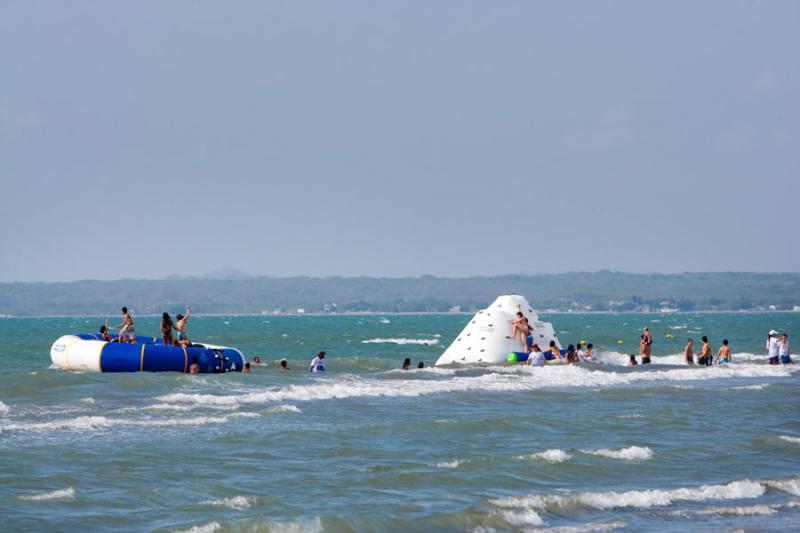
(180, 327)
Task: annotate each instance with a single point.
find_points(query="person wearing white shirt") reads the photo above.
(783, 349)
(772, 347)
(318, 363)
(536, 357)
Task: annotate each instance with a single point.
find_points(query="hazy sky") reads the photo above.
(139, 139)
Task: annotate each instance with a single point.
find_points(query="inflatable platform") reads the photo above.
(485, 337)
(89, 353)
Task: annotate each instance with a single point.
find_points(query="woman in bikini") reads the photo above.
(166, 329)
(520, 330)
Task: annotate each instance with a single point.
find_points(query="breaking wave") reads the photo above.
(425, 342)
(61, 494)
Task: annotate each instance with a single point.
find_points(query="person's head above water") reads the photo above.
(103, 329)
(590, 346)
(724, 342)
(321, 355)
(179, 316)
(552, 344)
(284, 364)
(704, 339)
(165, 316)
(420, 365)
(570, 348)
(124, 310)
(773, 333)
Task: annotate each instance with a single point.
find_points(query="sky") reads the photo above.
(451, 138)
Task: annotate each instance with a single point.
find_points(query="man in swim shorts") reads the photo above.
(180, 327)
(126, 329)
(724, 353)
(705, 353)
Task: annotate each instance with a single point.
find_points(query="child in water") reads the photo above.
(724, 353)
(632, 361)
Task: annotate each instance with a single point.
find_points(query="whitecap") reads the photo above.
(795, 440)
(735, 490)
(552, 455)
(528, 517)
(4, 409)
(236, 502)
(88, 400)
(87, 423)
(510, 380)
(284, 408)
(299, 526)
(734, 510)
(60, 494)
(449, 464)
(205, 528)
(583, 528)
(789, 485)
(426, 342)
(632, 453)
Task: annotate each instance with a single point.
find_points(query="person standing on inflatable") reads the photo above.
(318, 363)
(127, 327)
(180, 326)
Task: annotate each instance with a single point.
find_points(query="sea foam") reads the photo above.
(740, 489)
(633, 453)
(60, 494)
(428, 342)
(236, 502)
(4, 409)
(512, 379)
(552, 455)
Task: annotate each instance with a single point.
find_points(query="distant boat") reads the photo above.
(485, 338)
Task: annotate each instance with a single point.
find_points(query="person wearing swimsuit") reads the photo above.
(688, 352)
(705, 354)
(166, 329)
(555, 351)
(520, 330)
(180, 326)
(724, 353)
(648, 342)
(126, 328)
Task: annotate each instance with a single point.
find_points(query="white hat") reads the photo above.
(773, 332)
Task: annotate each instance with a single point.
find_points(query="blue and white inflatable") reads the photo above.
(89, 353)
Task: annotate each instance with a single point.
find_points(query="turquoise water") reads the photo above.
(368, 447)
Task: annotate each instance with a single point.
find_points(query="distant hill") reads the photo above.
(232, 292)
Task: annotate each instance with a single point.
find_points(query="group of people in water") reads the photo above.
(127, 330)
(777, 348)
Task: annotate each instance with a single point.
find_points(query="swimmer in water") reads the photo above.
(589, 352)
(705, 353)
(420, 365)
(536, 358)
(555, 351)
(572, 356)
(783, 350)
(724, 353)
(284, 364)
(318, 363)
(104, 332)
(688, 352)
(246, 369)
(406, 363)
(194, 368)
(632, 361)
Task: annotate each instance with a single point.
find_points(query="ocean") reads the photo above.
(369, 447)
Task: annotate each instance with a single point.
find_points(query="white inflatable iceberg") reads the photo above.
(486, 337)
